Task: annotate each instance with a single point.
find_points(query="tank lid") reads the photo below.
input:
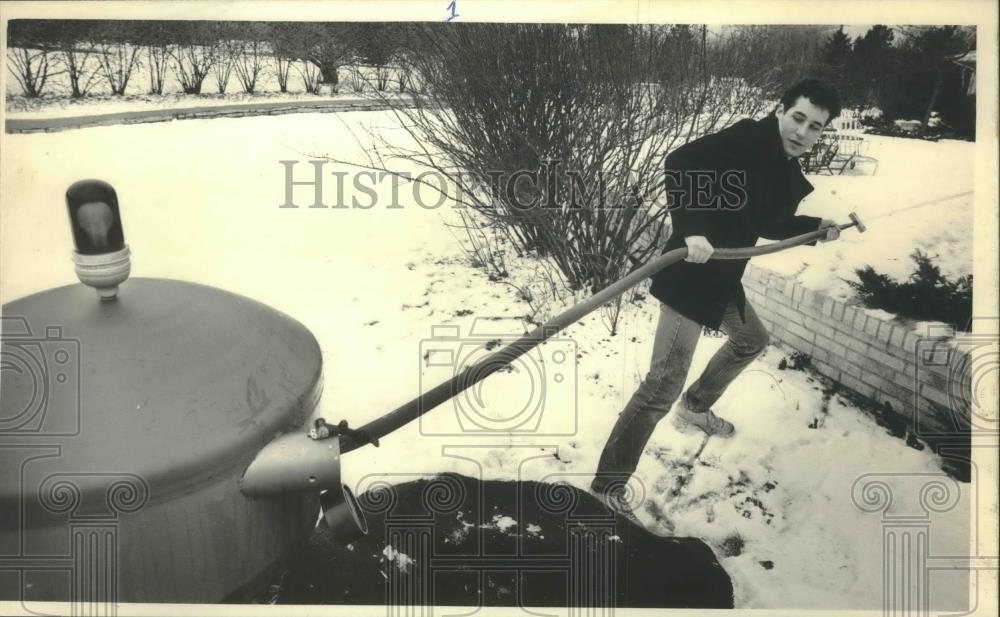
(174, 383)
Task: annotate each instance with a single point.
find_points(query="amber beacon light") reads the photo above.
(101, 256)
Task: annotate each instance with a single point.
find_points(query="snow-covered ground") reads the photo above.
(65, 108)
(200, 202)
(919, 197)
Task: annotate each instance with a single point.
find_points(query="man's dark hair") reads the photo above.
(816, 91)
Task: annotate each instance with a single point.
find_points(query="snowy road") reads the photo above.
(214, 109)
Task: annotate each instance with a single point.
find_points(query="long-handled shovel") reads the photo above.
(376, 429)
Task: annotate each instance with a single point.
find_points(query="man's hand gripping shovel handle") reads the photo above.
(473, 374)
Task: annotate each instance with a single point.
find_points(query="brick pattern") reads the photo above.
(921, 379)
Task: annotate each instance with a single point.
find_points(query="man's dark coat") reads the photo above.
(765, 207)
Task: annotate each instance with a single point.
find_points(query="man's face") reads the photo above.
(800, 126)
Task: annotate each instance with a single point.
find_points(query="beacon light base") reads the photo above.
(104, 272)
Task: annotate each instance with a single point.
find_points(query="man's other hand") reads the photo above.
(699, 249)
(832, 230)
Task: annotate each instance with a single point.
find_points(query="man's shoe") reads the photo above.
(614, 498)
(707, 421)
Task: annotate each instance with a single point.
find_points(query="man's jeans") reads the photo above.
(676, 338)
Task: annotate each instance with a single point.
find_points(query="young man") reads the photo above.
(725, 190)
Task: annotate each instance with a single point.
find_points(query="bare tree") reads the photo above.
(249, 63)
(772, 56)
(225, 58)
(403, 68)
(81, 69)
(934, 48)
(587, 113)
(358, 79)
(328, 46)
(377, 44)
(312, 78)
(31, 69)
(117, 61)
(157, 57)
(282, 68)
(192, 64)
(555, 135)
(382, 75)
(287, 46)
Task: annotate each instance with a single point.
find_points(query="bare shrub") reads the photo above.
(326, 46)
(282, 68)
(222, 68)
(312, 77)
(248, 61)
(192, 64)
(81, 69)
(357, 81)
(157, 58)
(117, 61)
(561, 128)
(31, 68)
(404, 76)
(483, 242)
(557, 134)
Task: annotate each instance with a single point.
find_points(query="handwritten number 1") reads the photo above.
(452, 7)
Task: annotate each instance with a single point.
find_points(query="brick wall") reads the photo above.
(927, 382)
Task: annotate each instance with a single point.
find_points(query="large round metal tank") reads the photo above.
(125, 427)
